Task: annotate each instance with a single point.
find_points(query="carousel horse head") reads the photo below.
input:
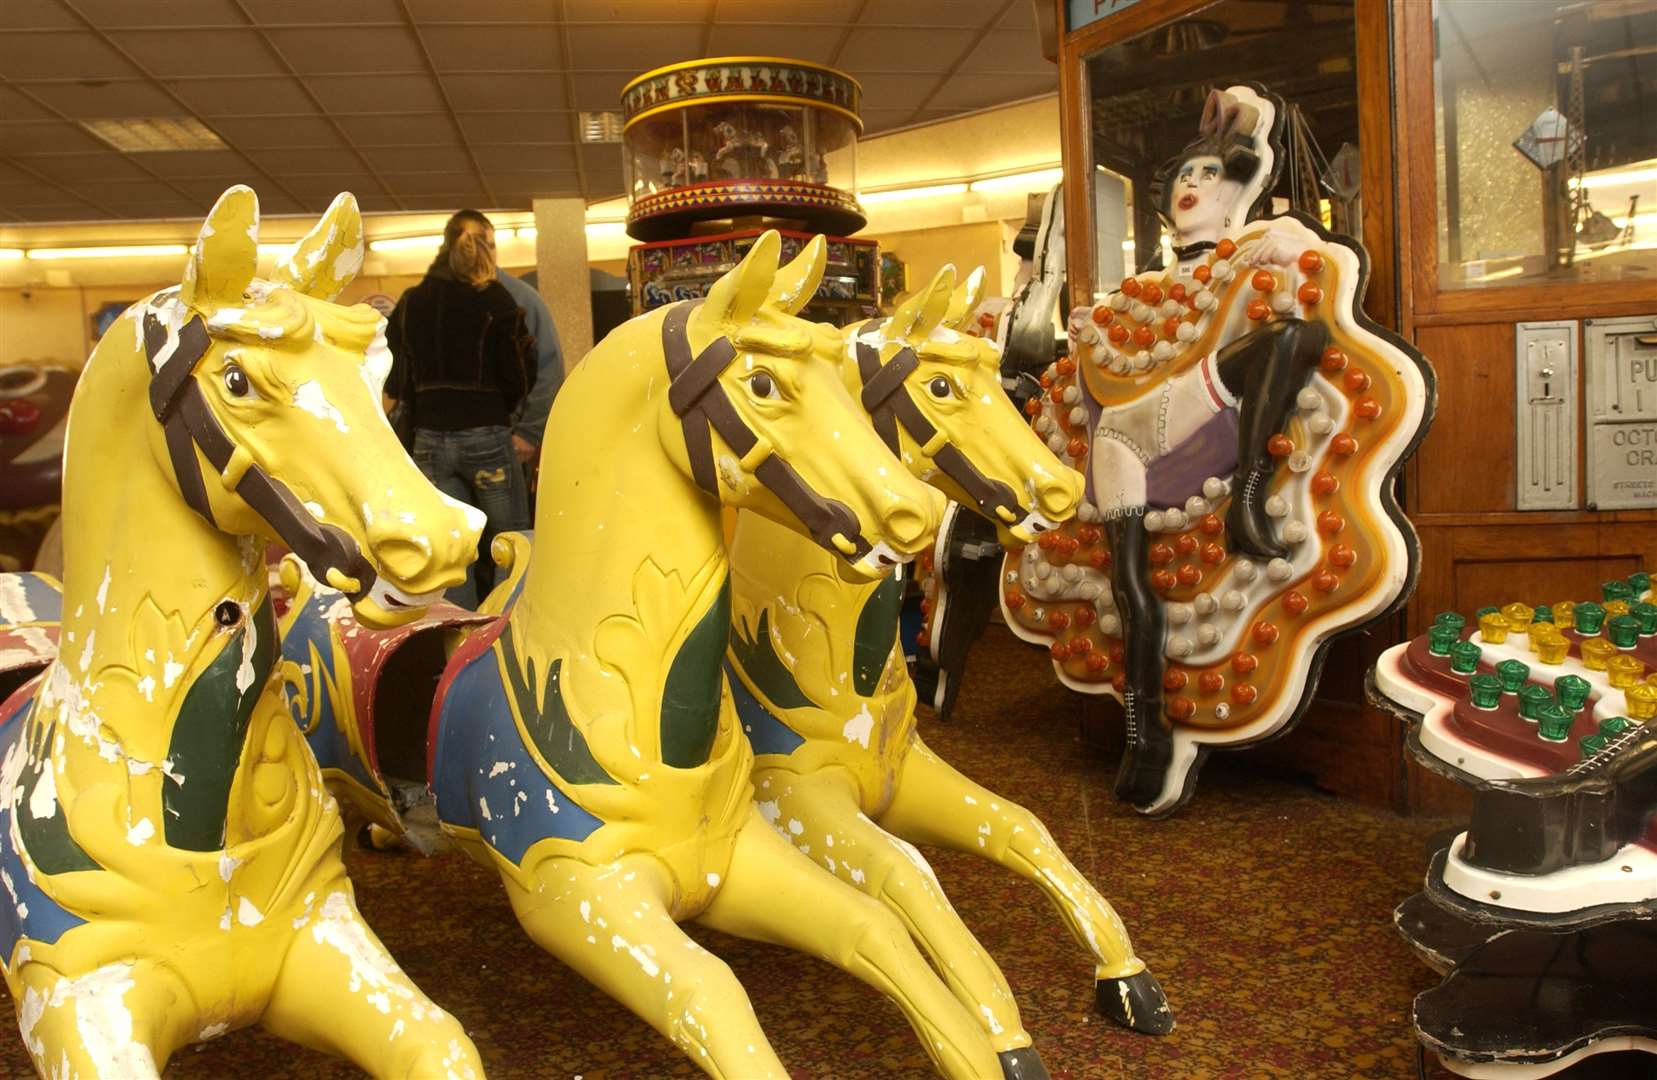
(279, 389)
(935, 397)
(760, 419)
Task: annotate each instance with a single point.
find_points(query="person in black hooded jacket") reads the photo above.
(462, 363)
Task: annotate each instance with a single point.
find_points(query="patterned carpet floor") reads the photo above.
(1264, 908)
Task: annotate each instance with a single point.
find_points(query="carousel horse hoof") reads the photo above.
(1022, 1064)
(1136, 1002)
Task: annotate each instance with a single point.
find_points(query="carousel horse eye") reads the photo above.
(235, 381)
(761, 383)
(939, 387)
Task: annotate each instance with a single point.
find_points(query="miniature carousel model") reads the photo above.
(1542, 915)
(717, 150)
(1240, 422)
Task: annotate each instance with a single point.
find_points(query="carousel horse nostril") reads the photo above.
(906, 524)
(400, 557)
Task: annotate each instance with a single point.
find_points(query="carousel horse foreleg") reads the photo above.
(886, 868)
(117, 1022)
(936, 804)
(1264, 371)
(340, 991)
(612, 925)
(1149, 749)
(775, 894)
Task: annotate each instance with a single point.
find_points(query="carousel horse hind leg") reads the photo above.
(775, 894)
(120, 1020)
(1150, 737)
(587, 915)
(888, 869)
(1264, 371)
(937, 804)
(339, 991)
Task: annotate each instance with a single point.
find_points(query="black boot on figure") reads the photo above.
(1265, 371)
(1150, 735)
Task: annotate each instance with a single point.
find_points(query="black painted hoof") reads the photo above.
(1146, 759)
(1136, 1002)
(1022, 1064)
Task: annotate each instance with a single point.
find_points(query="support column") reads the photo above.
(562, 274)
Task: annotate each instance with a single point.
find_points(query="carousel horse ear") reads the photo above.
(965, 299)
(735, 298)
(796, 283)
(226, 253)
(917, 316)
(325, 261)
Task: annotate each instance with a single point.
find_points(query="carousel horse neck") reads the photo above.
(661, 564)
(145, 577)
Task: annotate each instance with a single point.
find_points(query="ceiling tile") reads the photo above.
(836, 12)
(631, 48)
(434, 12)
(771, 41)
(904, 49)
(201, 163)
(16, 106)
(432, 183)
(535, 158)
(200, 52)
(491, 48)
(895, 91)
(48, 138)
(508, 90)
(65, 211)
(125, 13)
(36, 15)
(275, 204)
(636, 11)
(327, 185)
(263, 132)
(599, 159)
(936, 13)
(416, 129)
(517, 127)
(341, 49)
(376, 93)
(1019, 17)
(208, 189)
(445, 202)
(401, 159)
(111, 192)
(320, 12)
(536, 181)
(1009, 51)
(29, 195)
(48, 55)
(242, 97)
(69, 168)
(310, 160)
(10, 174)
(981, 91)
(600, 90)
(159, 208)
(880, 119)
(88, 101)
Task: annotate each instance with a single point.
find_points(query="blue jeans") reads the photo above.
(477, 466)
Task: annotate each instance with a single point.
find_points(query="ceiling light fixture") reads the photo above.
(1034, 180)
(128, 251)
(10, 254)
(600, 127)
(926, 191)
(155, 134)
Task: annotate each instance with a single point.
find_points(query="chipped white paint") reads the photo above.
(311, 397)
(247, 914)
(140, 833)
(102, 1021)
(858, 728)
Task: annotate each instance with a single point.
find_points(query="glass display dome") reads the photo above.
(734, 137)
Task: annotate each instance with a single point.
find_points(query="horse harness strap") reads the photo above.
(188, 422)
(888, 404)
(703, 407)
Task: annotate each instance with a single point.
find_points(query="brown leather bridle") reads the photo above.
(181, 408)
(703, 407)
(887, 401)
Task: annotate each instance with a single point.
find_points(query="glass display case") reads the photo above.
(1546, 161)
(737, 137)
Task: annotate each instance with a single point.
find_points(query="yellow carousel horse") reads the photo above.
(825, 697)
(584, 745)
(171, 859)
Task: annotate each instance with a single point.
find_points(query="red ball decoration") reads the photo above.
(1203, 274)
(1161, 554)
(1211, 524)
(1342, 556)
(1081, 646)
(1295, 602)
(1085, 615)
(923, 639)
(1163, 580)
(1182, 708)
(1263, 281)
(1118, 333)
(1033, 406)
(1097, 662)
(1225, 249)
(1186, 544)
(1174, 679)
(1077, 447)
(1176, 292)
(1333, 359)
(1130, 286)
(1243, 662)
(1058, 620)
(1310, 262)
(1325, 483)
(1013, 600)
(1368, 408)
(1344, 445)
(1356, 380)
(1101, 314)
(1257, 310)
(1059, 651)
(1308, 293)
(1324, 581)
(1244, 694)
(1152, 294)
(1188, 575)
(1330, 523)
(1211, 682)
(1143, 337)
(1065, 365)
(1213, 554)
(1280, 445)
(1264, 633)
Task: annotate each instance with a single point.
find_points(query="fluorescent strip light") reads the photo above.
(9, 254)
(130, 251)
(600, 229)
(1618, 177)
(1035, 180)
(872, 198)
(406, 243)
